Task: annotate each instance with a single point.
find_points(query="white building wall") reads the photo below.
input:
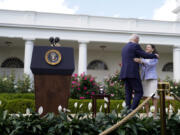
(113, 59)
(8, 52)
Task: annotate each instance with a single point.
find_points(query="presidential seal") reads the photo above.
(53, 57)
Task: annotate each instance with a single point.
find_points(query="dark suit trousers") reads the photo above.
(133, 85)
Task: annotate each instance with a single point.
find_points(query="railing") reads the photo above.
(162, 87)
(175, 96)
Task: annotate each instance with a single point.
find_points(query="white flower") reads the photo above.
(80, 105)
(64, 109)
(166, 110)
(123, 104)
(170, 107)
(29, 90)
(105, 105)
(176, 87)
(40, 110)
(178, 113)
(67, 110)
(59, 108)
(15, 86)
(100, 109)
(117, 106)
(143, 107)
(27, 111)
(152, 108)
(170, 111)
(89, 106)
(106, 99)
(150, 114)
(0, 102)
(75, 104)
(4, 79)
(172, 87)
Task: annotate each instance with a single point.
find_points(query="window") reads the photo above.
(97, 65)
(12, 63)
(168, 67)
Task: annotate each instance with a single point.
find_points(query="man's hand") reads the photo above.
(138, 60)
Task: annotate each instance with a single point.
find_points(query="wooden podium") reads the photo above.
(52, 68)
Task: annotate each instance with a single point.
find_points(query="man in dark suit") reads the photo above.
(130, 71)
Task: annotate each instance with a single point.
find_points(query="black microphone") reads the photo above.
(56, 40)
(51, 40)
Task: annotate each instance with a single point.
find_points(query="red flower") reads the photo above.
(85, 88)
(85, 78)
(78, 88)
(81, 97)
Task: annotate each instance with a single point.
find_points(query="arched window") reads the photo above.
(12, 63)
(168, 67)
(97, 65)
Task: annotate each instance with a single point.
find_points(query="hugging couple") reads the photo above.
(138, 71)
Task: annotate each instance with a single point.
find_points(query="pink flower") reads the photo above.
(81, 97)
(72, 86)
(87, 92)
(92, 93)
(94, 83)
(112, 95)
(85, 88)
(78, 84)
(85, 78)
(75, 75)
(73, 82)
(92, 79)
(111, 84)
(78, 88)
(82, 75)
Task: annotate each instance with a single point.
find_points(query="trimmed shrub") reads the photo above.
(19, 105)
(11, 96)
(19, 102)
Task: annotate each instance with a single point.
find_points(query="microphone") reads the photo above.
(51, 40)
(56, 40)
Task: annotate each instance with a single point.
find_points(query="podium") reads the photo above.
(52, 68)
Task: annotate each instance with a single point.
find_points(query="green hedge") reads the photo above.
(19, 102)
(11, 96)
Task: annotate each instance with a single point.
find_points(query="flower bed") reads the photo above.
(83, 124)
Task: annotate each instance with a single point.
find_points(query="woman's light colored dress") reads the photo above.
(149, 77)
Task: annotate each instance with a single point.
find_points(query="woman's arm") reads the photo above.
(150, 62)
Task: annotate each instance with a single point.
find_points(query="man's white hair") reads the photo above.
(134, 37)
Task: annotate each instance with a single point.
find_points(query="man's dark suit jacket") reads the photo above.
(130, 69)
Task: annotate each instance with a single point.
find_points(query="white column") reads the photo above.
(29, 44)
(176, 63)
(82, 65)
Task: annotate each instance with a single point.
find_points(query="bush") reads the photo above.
(83, 86)
(8, 84)
(19, 105)
(19, 102)
(83, 124)
(115, 87)
(11, 96)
